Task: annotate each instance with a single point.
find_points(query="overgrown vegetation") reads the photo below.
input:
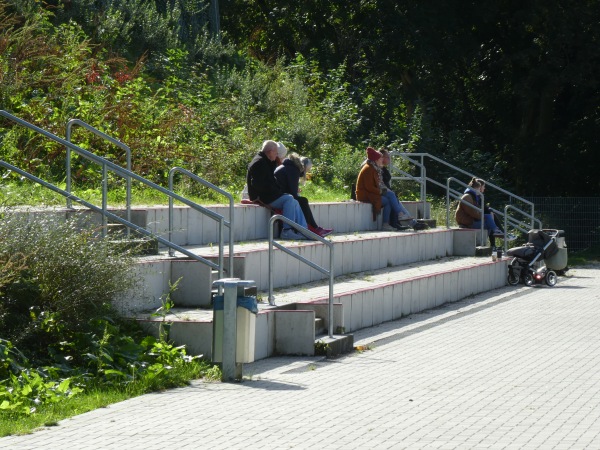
(208, 113)
(61, 337)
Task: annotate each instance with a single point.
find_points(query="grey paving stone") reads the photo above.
(513, 368)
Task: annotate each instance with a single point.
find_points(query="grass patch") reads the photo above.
(50, 414)
(589, 256)
(31, 194)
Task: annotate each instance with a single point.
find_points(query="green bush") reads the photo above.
(59, 333)
(56, 279)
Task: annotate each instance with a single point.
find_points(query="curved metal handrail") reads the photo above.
(104, 174)
(124, 173)
(229, 224)
(109, 214)
(313, 236)
(423, 179)
(533, 221)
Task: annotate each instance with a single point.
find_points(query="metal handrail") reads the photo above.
(229, 223)
(533, 220)
(423, 179)
(407, 176)
(313, 236)
(459, 198)
(124, 173)
(104, 174)
(109, 214)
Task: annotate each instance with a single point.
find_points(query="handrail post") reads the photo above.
(68, 169)
(331, 278)
(448, 203)
(270, 265)
(230, 224)
(104, 200)
(111, 140)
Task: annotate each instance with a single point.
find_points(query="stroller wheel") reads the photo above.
(551, 278)
(513, 278)
(528, 279)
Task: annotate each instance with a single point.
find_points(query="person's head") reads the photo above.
(307, 166)
(385, 157)
(296, 160)
(482, 184)
(374, 155)
(476, 184)
(269, 148)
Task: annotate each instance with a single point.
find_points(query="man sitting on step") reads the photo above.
(262, 186)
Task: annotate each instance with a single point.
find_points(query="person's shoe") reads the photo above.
(506, 236)
(402, 227)
(314, 229)
(388, 227)
(420, 226)
(324, 231)
(292, 235)
(403, 216)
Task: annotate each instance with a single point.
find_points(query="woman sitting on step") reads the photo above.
(470, 216)
(371, 189)
(288, 175)
(403, 215)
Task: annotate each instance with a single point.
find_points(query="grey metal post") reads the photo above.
(270, 266)
(232, 287)
(230, 371)
(331, 276)
(104, 199)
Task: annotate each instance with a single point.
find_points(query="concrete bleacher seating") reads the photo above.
(380, 276)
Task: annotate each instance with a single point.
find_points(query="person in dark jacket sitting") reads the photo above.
(263, 186)
(288, 175)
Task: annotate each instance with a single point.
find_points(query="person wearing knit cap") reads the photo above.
(263, 187)
(367, 183)
(281, 152)
(370, 189)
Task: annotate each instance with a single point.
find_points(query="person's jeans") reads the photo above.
(291, 210)
(393, 205)
(489, 224)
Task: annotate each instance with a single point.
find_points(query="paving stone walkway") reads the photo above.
(517, 368)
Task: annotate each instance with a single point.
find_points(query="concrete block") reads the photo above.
(264, 339)
(464, 242)
(294, 332)
(195, 285)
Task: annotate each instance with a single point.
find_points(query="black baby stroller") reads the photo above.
(539, 260)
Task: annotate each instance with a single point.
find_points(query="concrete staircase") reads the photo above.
(380, 276)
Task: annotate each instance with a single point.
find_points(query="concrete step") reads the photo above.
(251, 221)
(360, 300)
(352, 253)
